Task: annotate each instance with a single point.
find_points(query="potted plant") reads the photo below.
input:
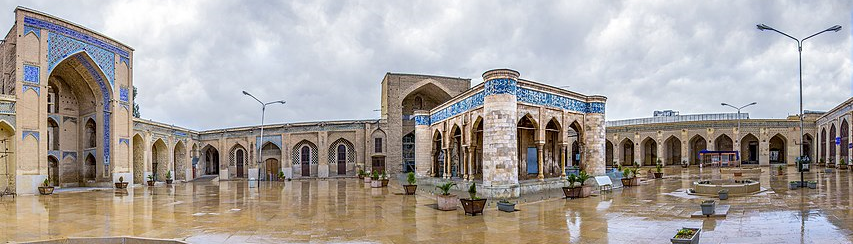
(281, 176)
(821, 162)
(708, 207)
(360, 174)
(659, 170)
(374, 180)
(581, 190)
(473, 205)
(446, 201)
(686, 236)
(151, 180)
(384, 179)
(724, 194)
(121, 184)
(842, 164)
(45, 188)
(168, 177)
(684, 164)
(367, 178)
(793, 185)
(780, 170)
(506, 206)
(629, 178)
(813, 184)
(411, 187)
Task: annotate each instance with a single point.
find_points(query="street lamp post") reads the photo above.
(834, 28)
(738, 120)
(263, 112)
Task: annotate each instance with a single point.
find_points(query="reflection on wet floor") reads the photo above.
(343, 210)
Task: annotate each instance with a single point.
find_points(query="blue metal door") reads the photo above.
(532, 161)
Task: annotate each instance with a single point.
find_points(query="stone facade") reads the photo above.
(833, 134)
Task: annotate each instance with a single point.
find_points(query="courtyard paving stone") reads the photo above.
(343, 210)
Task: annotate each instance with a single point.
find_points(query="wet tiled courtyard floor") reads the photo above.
(343, 210)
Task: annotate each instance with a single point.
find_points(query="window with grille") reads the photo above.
(377, 144)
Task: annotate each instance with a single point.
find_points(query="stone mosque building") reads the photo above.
(66, 116)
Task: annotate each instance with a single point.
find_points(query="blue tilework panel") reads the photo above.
(597, 108)
(180, 133)
(466, 104)
(276, 139)
(26, 133)
(60, 47)
(28, 29)
(500, 86)
(123, 93)
(556, 101)
(37, 89)
(7, 107)
(72, 33)
(421, 120)
(69, 154)
(124, 140)
(31, 74)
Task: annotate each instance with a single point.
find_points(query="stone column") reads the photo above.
(563, 148)
(432, 168)
(446, 162)
(500, 149)
(539, 159)
(472, 156)
(594, 136)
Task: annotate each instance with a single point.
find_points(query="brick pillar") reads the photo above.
(594, 137)
(423, 144)
(500, 151)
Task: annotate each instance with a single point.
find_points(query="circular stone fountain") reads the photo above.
(735, 187)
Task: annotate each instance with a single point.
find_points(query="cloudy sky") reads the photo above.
(327, 58)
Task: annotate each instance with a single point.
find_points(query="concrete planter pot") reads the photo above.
(150, 183)
(842, 166)
(708, 207)
(46, 190)
(447, 202)
(367, 179)
(506, 206)
(121, 185)
(376, 184)
(812, 185)
(473, 206)
(410, 189)
(793, 185)
(687, 240)
(723, 194)
(577, 192)
(658, 175)
(384, 182)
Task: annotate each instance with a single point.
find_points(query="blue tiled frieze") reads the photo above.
(37, 89)
(55, 154)
(26, 133)
(552, 100)
(500, 86)
(466, 104)
(275, 139)
(421, 120)
(181, 133)
(595, 108)
(7, 107)
(28, 29)
(69, 154)
(124, 140)
(123, 94)
(31, 74)
(59, 47)
(72, 33)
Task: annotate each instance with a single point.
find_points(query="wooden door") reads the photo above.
(305, 160)
(378, 164)
(240, 160)
(342, 160)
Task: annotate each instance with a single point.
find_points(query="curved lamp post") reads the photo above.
(263, 112)
(834, 28)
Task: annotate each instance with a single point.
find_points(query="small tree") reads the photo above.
(136, 113)
(410, 178)
(472, 191)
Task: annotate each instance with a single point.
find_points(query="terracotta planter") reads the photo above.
(150, 183)
(384, 182)
(842, 166)
(631, 181)
(410, 189)
(121, 185)
(45, 190)
(447, 202)
(473, 206)
(376, 183)
(658, 175)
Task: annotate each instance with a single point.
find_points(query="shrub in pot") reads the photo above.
(708, 207)
(780, 170)
(45, 188)
(684, 164)
(812, 184)
(374, 180)
(793, 185)
(121, 184)
(411, 187)
(384, 179)
(361, 174)
(629, 177)
(506, 206)
(724, 194)
(150, 180)
(168, 177)
(367, 177)
(281, 176)
(842, 164)
(659, 170)
(445, 200)
(821, 162)
(686, 236)
(473, 205)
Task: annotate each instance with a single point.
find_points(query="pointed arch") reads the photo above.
(723, 143)
(843, 132)
(476, 170)
(831, 139)
(650, 151)
(627, 149)
(138, 158)
(210, 159)
(341, 157)
(672, 150)
(696, 144)
(749, 149)
(304, 156)
(238, 161)
(778, 149)
(608, 154)
(179, 160)
(160, 159)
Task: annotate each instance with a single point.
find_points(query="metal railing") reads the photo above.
(679, 118)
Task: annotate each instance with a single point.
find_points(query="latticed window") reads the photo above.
(409, 153)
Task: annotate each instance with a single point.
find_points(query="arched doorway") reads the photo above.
(53, 170)
(528, 168)
(608, 154)
(409, 152)
(575, 135)
(342, 156)
(628, 152)
(272, 161)
(551, 149)
(831, 140)
(749, 149)
(160, 160)
(823, 144)
(138, 159)
(697, 144)
(455, 152)
(211, 160)
(239, 159)
(843, 133)
(777, 149)
(90, 168)
(650, 151)
(808, 141)
(304, 156)
(477, 148)
(672, 151)
(180, 161)
(723, 143)
(437, 155)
